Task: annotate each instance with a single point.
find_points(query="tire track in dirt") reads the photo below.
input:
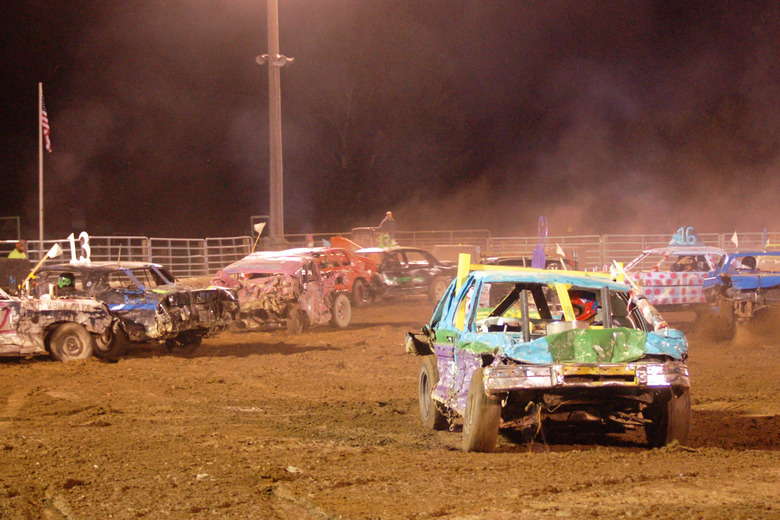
(13, 404)
(296, 507)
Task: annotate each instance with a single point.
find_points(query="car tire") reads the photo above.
(341, 313)
(482, 417)
(69, 342)
(185, 344)
(112, 344)
(430, 410)
(295, 320)
(724, 324)
(361, 296)
(437, 289)
(670, 414)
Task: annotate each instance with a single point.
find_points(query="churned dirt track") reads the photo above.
(325, 425)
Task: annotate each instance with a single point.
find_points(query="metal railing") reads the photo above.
(585, 249)
(186, 257)
(428, 239)
(182, 256)
(224, 251)
(114, 249)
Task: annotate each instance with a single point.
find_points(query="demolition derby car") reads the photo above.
(285, 289)
(65, 329)
(672, 277)
(544, 349)
(150, 304)
(356, 272)
(744, 287)
(408, 271)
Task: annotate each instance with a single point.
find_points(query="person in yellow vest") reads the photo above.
(20, 250)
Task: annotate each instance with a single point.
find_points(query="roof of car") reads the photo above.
(287, 262)
(673, 250)
(684, 250)
(526, 259)
(548, 277)
(505, 257)
(102, 266)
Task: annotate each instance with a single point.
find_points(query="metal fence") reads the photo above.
(584, 249)
(189, 257)
(223, 251)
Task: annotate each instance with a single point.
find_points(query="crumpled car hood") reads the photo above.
(616, 345)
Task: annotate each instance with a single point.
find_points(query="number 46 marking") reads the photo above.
(83, 257)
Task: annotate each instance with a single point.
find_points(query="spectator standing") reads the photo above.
(20, 250)
(387, 230)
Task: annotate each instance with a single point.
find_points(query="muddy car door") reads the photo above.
(455, 365)
(394, 271)
(420, 268)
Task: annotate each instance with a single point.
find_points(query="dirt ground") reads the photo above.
(325, 425)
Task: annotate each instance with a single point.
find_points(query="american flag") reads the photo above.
(45, 126)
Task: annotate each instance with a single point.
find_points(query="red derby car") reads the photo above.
(357, 271)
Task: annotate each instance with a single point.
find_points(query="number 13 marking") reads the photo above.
(83, 258)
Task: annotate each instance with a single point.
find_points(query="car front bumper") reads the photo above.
(506, 378)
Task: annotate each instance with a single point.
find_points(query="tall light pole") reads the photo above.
(275, 61)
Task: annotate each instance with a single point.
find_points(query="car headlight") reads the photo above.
(666, 374)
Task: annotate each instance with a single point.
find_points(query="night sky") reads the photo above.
(606, 117)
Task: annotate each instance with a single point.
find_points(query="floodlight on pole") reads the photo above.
(275, 62)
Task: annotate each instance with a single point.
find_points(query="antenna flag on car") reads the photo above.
(54, 252)
(259, 228)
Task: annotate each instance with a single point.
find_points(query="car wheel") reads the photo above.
(295, 320)
(341, 312)
(375, 287)
(112, 344)
(437, 289)
(670, 414)
(69, 342)
(430, 410)
(726, 324)
(185, 344)
(482, 418)
(361, 296)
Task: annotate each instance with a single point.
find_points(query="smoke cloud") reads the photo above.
(628, 117)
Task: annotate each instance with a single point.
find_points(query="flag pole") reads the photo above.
(40, 164)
